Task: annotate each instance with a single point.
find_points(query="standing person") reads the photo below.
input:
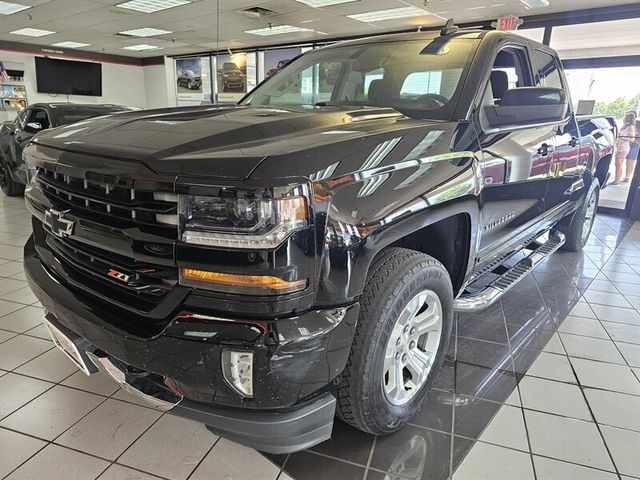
(634, 149)
(623, 144)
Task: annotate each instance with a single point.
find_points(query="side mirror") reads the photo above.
(528, 105)
(33, 127)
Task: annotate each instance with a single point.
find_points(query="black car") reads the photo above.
(189, 80)
(263, 266)
(16, 134)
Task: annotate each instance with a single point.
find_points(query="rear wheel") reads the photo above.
(403, 331)
(577, 231)
(8, 185)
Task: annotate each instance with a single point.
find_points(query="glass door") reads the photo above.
(613, 91)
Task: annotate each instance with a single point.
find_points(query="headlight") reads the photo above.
(241, 219)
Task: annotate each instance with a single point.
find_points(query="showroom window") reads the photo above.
(612, 91)
(535, 34)
(586, 40)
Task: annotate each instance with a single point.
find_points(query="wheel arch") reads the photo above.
(448, 241)
(447, 233)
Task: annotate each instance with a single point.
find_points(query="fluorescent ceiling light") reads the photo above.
(280, 29)
(70, 44)
(8, 8)
(389, 14)
(142, 47)
(32, 32)
(150, 6)
(535, 3)
(145, 32)
(324, 3)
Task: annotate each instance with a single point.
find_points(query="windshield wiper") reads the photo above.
(341, 104)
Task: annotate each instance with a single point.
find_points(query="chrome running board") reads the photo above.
(501, 285)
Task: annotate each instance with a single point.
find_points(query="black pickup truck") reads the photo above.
(16, 134)
(263, 267)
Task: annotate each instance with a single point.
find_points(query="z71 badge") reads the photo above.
(122, 277)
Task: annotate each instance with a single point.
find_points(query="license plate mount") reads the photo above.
(72, 345)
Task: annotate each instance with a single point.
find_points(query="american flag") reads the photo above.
(4, 76)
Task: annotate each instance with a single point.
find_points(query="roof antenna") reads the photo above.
(449, 28)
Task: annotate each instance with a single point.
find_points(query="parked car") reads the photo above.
(263, 266)
(232, 77)
(280, 65)
(190, 80)
(15, 134)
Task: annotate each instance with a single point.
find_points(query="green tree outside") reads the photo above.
(618, 107)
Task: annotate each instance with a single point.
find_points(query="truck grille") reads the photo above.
(111, 204)
(112, 209)
(142, 287)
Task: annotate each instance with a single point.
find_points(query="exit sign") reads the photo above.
(509, 22)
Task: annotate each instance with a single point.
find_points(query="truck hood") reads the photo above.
(227, 142)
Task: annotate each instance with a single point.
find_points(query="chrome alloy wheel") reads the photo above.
(412, 347)
(590, 215)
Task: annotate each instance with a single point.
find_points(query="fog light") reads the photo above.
(237, 368)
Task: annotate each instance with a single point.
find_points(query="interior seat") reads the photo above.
(499, 84)
(379, 92)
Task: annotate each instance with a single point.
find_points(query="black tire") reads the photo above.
(9, 186)
(574, 230)
(395, 277)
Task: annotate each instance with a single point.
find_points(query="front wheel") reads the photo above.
(577, 231)
(404, 326)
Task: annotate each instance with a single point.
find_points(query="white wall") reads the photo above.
(121, 84)
(156, 87)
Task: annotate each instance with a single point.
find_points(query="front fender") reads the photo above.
(364, 216)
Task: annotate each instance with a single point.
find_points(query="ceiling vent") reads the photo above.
(258, 12)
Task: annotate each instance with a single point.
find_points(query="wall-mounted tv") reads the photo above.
(68, 77)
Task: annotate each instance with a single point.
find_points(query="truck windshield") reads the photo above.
(420, 79)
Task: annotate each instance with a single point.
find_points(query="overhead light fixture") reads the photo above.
(529, 4)
(280, 29)
(145, 32)
(70, 44)
(8, 8)
(142, 47)
(324, 3)
(150, 6)
(389, 14)
(32, 32)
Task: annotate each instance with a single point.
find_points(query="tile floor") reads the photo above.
(544, 385)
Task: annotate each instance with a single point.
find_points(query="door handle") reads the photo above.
(544, 150)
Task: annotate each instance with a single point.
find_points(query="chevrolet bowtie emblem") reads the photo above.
(60, 226)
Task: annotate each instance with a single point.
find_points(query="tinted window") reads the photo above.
(511, 69)
(40, 116)
(548, 72)
(417, 78)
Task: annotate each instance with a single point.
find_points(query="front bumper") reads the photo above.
(296, 359)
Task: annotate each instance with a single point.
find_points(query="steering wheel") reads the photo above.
(439, 100)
